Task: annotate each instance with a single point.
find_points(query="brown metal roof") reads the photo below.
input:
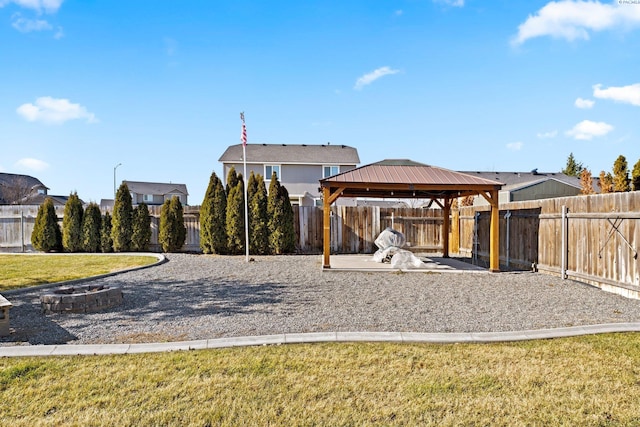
(406, 178)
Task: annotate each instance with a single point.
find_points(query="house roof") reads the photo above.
(522, 179)
(25, 184)
(156, 188)
(405, 178)
(324, 154)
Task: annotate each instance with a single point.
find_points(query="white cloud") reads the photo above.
(48, 6)
(586, 130)
(584, 103)
(546, 135)
(454, 3)
(571, 20)
(398, 12)
(515, 146)
(31, 164)
(25, 25)
(627, 94)
(371, 77)
(54, 111)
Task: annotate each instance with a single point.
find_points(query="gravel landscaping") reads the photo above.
(203, 296)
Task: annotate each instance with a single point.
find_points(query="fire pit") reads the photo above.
(81, 299)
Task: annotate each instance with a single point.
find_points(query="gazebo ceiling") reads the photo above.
(400, 178)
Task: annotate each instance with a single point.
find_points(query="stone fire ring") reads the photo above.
(81, 299)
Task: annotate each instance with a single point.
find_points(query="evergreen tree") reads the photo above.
(213, 211)
(635, 176)
(621, 175)
(91, 227)
(232, 180)
(72, 224)
(141, 235)
(172, 233)
(121, 223)
(586, 182)
(235, 218)
(206, 216)
(106, 241)
(572, 168)
(606, 182)
(280, 213)
(258, 218)
(46, 235)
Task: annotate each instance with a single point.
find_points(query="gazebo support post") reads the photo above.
(326, 223)
(494, 240)
(445, 227)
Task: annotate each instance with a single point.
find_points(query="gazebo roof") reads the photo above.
(403, 178)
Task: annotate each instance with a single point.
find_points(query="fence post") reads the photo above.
(563, 254)
(507, 217)
(22, 230)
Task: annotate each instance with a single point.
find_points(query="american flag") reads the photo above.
(243, 133)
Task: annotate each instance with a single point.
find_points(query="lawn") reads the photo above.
(19, 271)
(592, 380)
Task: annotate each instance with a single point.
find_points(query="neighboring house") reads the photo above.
(532, 185)
(21, 190)
(155, 193)
(298, 167)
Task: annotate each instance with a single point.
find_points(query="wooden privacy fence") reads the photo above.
(593, 239)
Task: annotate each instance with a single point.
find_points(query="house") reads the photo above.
(298, 167)
(21, 189)
(155, 193)
(534, 185)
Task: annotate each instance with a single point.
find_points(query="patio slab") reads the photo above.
(432, 264)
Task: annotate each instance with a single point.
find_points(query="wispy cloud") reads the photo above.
(587, 130)
(626, 94)
(585, 104)
(371, 77)
(54, 111)
(515, 146)
(571, 20)
(171, 46)
(547, 135)
(48, 6)
(25, 25)
(454, 3)
(31, 164)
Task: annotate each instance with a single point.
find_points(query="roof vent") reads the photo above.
(304, 145)
(264, 145)
(284, 145)
(344, 146)
(534, 171)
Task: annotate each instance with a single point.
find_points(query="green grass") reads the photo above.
(593, 380)
(19, 271)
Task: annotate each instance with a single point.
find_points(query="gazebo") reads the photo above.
(405, 179)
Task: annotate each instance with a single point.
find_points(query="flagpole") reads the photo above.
(243, 137)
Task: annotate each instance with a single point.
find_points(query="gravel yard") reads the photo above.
(193, 297)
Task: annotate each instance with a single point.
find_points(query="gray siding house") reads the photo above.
(299, 167)
(155, 193)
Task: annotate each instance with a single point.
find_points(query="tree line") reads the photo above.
(127, 230)
(270, 216)
(618, 180)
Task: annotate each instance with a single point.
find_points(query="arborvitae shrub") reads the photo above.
(280, 212)
(46, 235)
(213, 235)
(106, 241)
(621, 175)
(141, 235)
(258, 218)
(122, 221)
(635, 176)
(72, 224)
(172, 233)
(91, 228)
(235, 219)
(288, 228)
(232, 180)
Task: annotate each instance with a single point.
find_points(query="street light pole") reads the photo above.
(114, 180)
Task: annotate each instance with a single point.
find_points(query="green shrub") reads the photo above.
(172, 233)
(141, 236)
(235, 219)
(46, 235)
(122, 221)
(106, 241)
(213, 234)
(258, 218)
(72, 224)
(91, 228)
(280, 212)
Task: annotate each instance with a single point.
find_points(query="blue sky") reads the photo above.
(462, 84)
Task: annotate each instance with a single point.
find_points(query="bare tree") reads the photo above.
(16, 190)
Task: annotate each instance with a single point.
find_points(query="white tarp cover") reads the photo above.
(390, 243)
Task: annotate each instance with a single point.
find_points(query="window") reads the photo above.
(328, 171)
(147, 198)
(270, 169)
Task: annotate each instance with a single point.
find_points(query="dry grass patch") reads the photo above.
(591, 380)
(19, 271)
